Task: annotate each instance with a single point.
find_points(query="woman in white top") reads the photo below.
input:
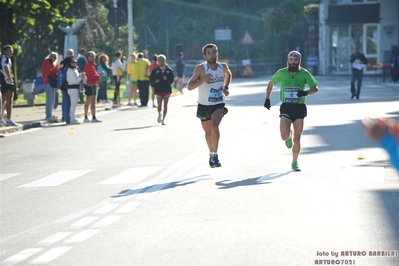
(74, 78)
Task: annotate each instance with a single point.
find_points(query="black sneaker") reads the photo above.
(214, 161)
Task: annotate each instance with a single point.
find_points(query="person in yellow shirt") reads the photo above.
(131, 70)
(143, 80)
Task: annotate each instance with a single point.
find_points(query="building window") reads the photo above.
(344, 38)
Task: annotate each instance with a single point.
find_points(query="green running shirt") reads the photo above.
(291, 84)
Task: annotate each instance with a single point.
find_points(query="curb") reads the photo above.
(42, 123)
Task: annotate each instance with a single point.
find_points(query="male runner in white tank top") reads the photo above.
(212, 79)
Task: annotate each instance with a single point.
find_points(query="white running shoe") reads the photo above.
(159, 118)
(11, 123)
(74, 122)
(163, 122)
(95, 120)
(2, 123)
(86, 120)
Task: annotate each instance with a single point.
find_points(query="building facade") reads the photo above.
(372, 25)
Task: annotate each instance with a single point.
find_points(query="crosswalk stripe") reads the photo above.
(132, 175)
(104, 209)
(84, 221)
(6, 176)
(367, 174)
(54, 238)
(56, 179)
(107, 221)
(82, 236)
(128, 207)
(20, 256)
(50, 255)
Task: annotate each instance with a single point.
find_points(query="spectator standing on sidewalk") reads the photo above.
(118, 66)
(212, 78)
(143, 82)
(180, 72)
(73, 79)
(49, 68)
(131, 70)
(91, 86)
(7, 86)
(81, 61)
(154, 64)
(358, 61)
(2, 79)
(293, 80)
(161, 79)
(66, 101)
(394, 63)
(103, 66)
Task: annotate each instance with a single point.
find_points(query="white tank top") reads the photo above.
(212, 93)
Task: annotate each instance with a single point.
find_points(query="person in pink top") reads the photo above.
(91, 85)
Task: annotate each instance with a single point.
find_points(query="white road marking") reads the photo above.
(7, 176)
(54, 238)
(84, 221)
(107, 221)
(24, 254)
(50, 255)
(128, 207)
(105, 208)
(368, 174)
(82, 236)
(56, 179)
(132, 175)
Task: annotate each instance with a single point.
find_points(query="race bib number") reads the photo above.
(215, 95)
(290, 95)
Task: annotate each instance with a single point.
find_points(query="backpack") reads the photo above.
(37, 86)
(61, 79)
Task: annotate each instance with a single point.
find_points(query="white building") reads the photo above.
(372, 25)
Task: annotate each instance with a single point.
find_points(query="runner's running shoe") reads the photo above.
(288, 142)
(214, 161)
(295, 166)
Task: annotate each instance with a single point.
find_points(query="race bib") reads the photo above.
(215, 95)
(290, 95)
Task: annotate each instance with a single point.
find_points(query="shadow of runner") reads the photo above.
(158, 187)
(250, 181)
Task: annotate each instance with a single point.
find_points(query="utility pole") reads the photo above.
(130, 25)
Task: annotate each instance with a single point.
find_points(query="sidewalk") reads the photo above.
(31, 117)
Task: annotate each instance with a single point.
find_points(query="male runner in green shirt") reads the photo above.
(293, 79)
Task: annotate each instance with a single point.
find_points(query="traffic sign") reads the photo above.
(247, 39)
(116, 17)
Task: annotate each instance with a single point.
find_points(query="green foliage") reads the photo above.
(271, 24)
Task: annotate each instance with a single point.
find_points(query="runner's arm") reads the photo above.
(313, 90)
(197, 78)
(269, 89)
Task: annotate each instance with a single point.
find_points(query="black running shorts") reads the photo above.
(293, 111)
(204, 112)
(90, 90)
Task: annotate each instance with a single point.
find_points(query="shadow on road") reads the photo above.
(158, 187)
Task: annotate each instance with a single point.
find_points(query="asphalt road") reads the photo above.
(129, 191)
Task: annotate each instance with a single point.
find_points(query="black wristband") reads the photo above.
(226, 87)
